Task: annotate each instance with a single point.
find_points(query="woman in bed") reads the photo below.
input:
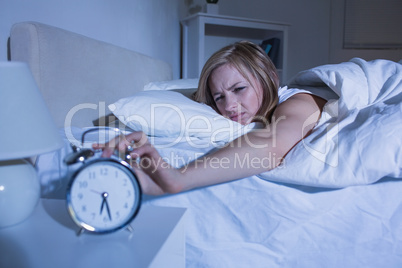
(241, 83)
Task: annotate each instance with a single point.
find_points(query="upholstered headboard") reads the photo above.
(79, 76)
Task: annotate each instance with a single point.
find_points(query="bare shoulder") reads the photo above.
(298, 115)
(301, 104)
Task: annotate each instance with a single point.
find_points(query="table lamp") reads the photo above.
(27, 130)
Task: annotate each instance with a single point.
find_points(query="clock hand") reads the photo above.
(96, 192)
(102, 205)
(108, 210)
(104, 202)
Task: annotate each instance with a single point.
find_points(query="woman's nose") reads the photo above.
(231, 103)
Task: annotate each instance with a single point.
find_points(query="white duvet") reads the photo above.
(336, 202)
(359, 137)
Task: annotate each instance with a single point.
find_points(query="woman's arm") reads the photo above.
(259, 150)
(251, 154)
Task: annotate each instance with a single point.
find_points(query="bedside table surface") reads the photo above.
(48, 239)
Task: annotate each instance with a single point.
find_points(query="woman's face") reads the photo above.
(234, 96)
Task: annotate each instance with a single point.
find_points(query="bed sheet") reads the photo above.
(257, 223)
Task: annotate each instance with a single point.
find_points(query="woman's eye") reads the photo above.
(218, 98)
(238, 89)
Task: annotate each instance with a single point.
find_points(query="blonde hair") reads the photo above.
(249, 59)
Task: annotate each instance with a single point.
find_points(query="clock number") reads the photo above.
(104, 171)
(84, 208)
(92, 175)
(80, 196)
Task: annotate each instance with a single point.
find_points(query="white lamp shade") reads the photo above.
(27, 128)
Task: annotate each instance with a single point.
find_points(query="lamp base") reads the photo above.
(19, 191)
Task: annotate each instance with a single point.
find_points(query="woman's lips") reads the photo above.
(236, 117)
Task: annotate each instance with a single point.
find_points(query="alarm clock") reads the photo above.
(103, 194)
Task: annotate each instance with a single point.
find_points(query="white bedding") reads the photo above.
(259, 223)
(298, 221)
(358, 139)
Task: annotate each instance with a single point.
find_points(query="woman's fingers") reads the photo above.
(149, 157)
(137, 139)
(122, 143)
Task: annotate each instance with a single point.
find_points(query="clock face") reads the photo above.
(103, 196)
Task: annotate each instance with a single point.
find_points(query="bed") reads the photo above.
(335, 201)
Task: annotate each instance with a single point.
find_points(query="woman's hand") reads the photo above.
(156, 176)
(148, 186)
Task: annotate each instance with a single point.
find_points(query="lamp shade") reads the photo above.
(27, 128)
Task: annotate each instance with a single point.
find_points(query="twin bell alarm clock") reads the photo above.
(103, 194)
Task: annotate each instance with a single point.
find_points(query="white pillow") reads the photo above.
(173, 84)
(171, 114)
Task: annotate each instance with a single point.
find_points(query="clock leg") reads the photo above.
(80, 231)
(129, 228)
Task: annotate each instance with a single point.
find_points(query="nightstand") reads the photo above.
(48, 239)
